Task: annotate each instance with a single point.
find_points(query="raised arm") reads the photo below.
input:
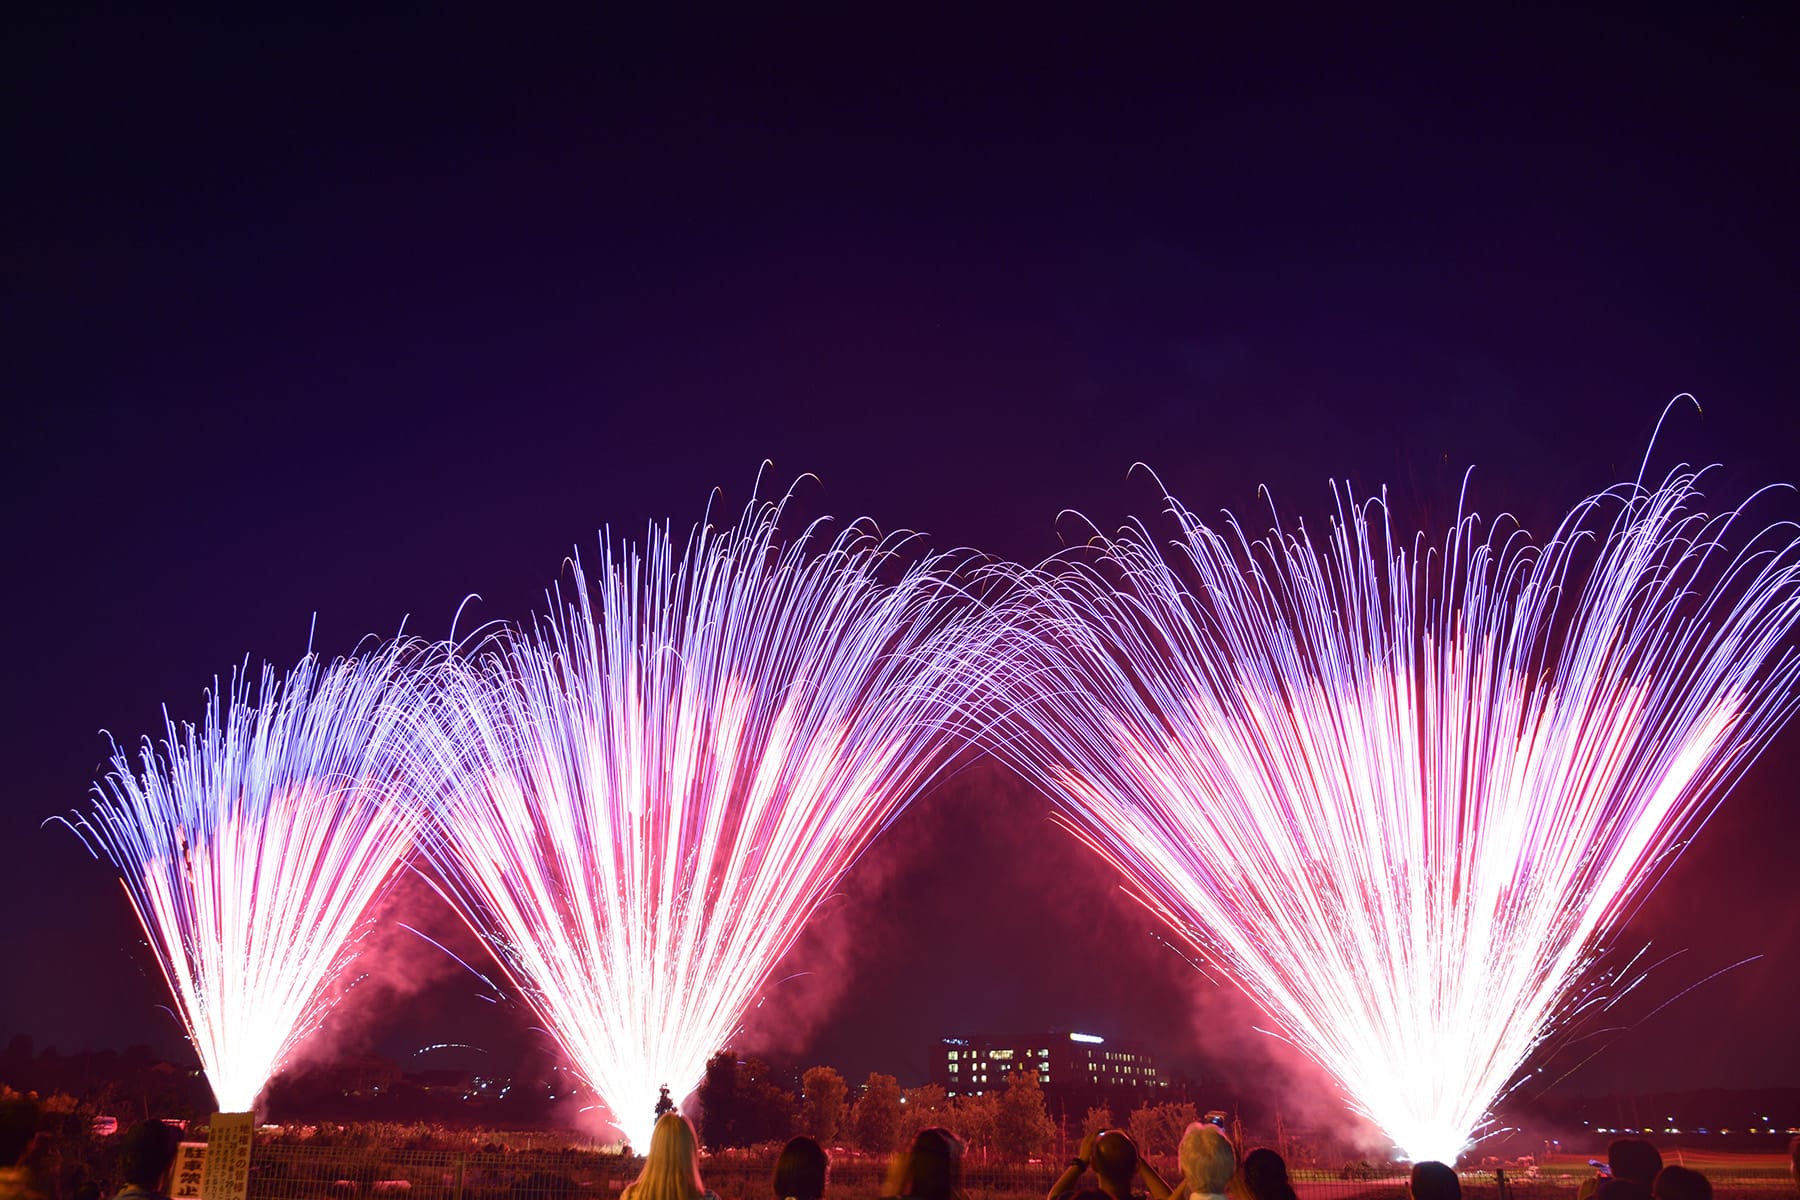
(1153, 1182)
(1067, 1183)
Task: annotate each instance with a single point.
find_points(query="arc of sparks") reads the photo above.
(641, 799)
(251, 846)
(1402, 796)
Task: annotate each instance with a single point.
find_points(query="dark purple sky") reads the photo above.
(356, 319)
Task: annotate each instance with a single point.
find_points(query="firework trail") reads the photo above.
(641, 800)
(1400, 796)
(250, 848)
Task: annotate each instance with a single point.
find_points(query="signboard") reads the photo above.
(190, 1164)
(227, 1173)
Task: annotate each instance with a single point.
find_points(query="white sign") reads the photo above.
(190, 1167)
(227, 1173)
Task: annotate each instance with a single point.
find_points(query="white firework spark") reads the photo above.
(641, 800)
(1401, 796)
(252, 846)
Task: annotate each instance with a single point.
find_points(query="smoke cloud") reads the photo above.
(975, 912)
(391, 971)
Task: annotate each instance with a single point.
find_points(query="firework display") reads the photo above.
(1399, 794)
(639, 800)
(252, 845)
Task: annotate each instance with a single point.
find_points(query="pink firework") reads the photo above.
(1402, 796)
(252, 846)
(641, 800)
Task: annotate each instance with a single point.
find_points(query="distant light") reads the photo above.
(1085, 1037)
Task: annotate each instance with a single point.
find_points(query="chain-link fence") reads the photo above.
(289, 1172)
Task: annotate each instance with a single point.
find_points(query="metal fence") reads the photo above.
(290, 1172)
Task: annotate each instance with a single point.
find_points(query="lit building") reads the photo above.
(1077, 1068)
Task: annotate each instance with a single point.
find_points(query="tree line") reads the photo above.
(741, 1104)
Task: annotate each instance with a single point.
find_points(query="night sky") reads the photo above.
(353, 319)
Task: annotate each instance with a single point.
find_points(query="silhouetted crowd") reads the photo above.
(930, 1169)
(1634, 1171)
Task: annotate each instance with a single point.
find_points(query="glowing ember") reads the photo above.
(641, 800)
(250, 849)
(1400, 797)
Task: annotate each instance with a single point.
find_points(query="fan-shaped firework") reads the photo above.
(251, 847)
(643, 798)
(1400, 797)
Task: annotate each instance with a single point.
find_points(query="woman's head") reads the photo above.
(1681, 1183)
(800, 1171)
(1265, 1175)
(672, 1167)
(934, 1165)
(1207, 1159)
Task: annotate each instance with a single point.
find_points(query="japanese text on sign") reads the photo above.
(190, 1164)
(227, 1173)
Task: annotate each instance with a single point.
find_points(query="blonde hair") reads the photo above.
(672, 1168)
(1207, 1159)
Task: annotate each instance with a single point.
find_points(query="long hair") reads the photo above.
(932, 1170)
(801, 1170)
(672, 1168)
(1265, 1175)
